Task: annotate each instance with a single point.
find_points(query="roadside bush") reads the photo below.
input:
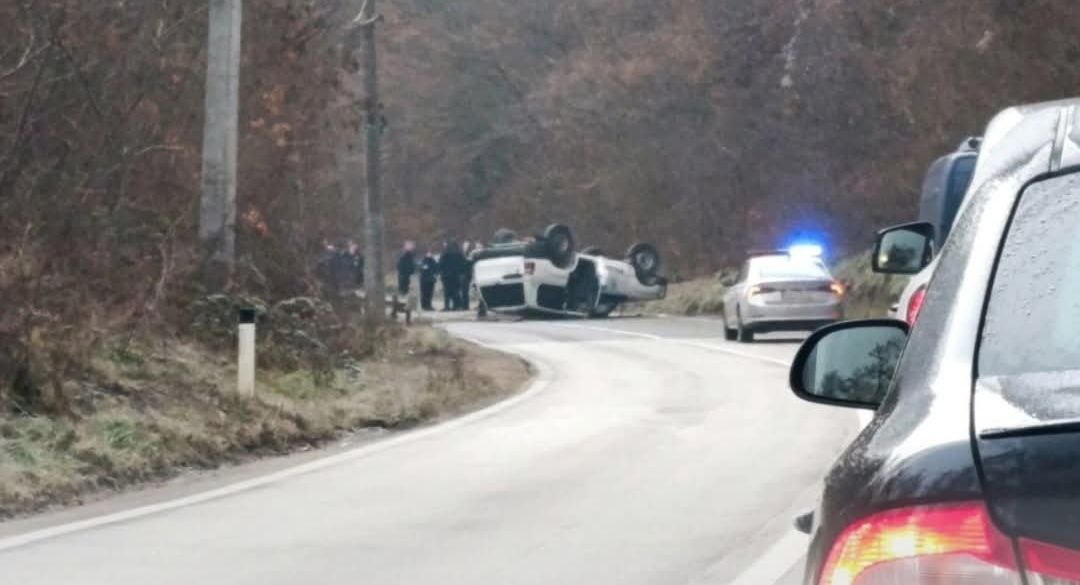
(868, 294)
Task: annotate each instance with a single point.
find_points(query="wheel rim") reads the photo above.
(646, 261)
(562, 245)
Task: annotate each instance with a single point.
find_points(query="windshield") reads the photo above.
(788, 268)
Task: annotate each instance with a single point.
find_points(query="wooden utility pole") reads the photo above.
(217, 211)
(374, 223)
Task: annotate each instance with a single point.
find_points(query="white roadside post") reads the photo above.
(245, 370)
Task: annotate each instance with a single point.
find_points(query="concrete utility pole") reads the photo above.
(374, 223)
(217, 212)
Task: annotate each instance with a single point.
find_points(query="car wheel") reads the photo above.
(744, 334)
(560, 245)
(645, 259)
(729, 333)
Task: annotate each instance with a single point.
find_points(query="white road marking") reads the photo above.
(537, 386)
(687, 342)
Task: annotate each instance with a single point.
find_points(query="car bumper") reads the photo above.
(792, 317)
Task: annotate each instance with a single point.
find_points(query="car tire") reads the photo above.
(560, 245)
(645, 259)
(729, 333)
(743, 334)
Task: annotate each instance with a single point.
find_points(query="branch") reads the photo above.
(361, 20)
(29, 55)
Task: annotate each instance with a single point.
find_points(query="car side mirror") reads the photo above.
(904, 249)
(849, 364)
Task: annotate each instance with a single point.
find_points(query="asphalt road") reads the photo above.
(647, 452)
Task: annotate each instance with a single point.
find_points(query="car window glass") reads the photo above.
(1032, 322)
(959, 181)
(787, 267)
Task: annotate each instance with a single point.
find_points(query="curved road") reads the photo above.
(647, 452)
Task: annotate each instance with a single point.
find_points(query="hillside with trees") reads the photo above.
(705, 125)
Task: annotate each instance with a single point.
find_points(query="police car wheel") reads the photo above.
(743, 333)
(729, 333)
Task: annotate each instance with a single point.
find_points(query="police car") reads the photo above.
(782, 290)
(545, 275)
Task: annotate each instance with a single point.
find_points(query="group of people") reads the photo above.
(341, 266)
(453, 265)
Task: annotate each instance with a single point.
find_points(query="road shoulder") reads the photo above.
(489, 378)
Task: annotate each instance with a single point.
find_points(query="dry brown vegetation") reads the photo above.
(150, 410)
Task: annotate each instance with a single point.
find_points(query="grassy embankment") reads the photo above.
(867, 294)
(145, 410)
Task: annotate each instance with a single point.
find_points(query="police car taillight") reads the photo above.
(925, 545)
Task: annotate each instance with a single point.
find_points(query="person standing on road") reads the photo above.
(451, 266)
(342, 269)
(357, 258)
(429, 274)
(466, 275)
(406, 267)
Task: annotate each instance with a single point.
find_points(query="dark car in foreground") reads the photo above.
(970, 470)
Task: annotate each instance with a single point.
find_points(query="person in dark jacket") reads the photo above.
(406, 267)
(357, 258)
(466, 276)
(429, 274)
(451, 266)
(342, 269)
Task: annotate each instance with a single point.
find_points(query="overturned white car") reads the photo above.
(547, 276)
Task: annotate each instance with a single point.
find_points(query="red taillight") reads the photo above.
(923, 546)
(1048, 564)
(915, 305)
(530, 268)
